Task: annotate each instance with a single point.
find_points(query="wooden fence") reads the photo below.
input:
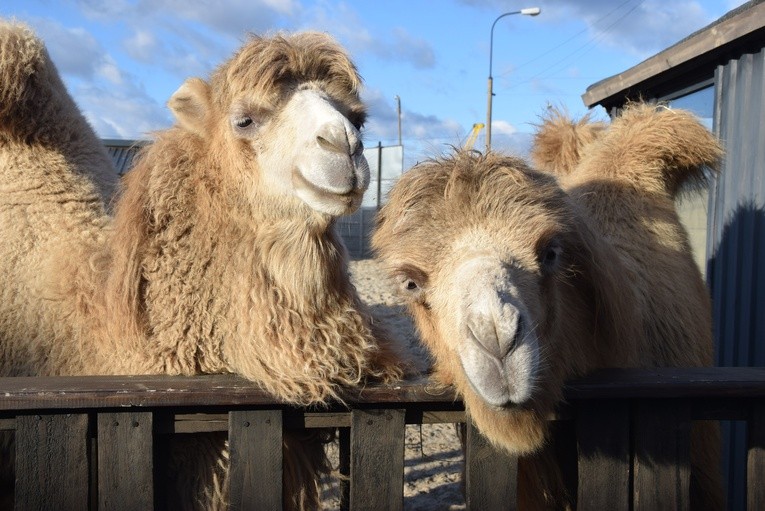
(91, 442)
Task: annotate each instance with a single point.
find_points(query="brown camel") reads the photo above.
(518, 281)
(220, 256)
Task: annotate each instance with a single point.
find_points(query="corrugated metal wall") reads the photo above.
(736, 241)
(736, 271)
(123, 152)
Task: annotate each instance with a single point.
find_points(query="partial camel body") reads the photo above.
(519, 279)
(220, 255)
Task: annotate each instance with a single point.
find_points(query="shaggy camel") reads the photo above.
(518, 281)
(220, 255)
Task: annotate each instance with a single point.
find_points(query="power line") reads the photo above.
(586, 46)
(584, 30)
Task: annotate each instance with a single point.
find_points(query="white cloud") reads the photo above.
(397, 46)
(517, 144)
(502, 128)
(73, 50)
(142, 45)
(641, 27)
(109, 70)
(115, 114)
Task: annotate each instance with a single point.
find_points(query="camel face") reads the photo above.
(288, 113)
(484, 251)
(497, 348)
(325, 165)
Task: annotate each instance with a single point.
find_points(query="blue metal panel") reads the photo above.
(736, 270)
(736, 241)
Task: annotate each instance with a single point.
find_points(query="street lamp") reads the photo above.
(529, 11)
(398, 110)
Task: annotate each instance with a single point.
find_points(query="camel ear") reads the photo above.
(190, 105)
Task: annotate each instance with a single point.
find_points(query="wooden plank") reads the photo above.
(125, 461)
(669, 382)
(603, 440)
(377, 460)
(491, 475)
(52, 462)
(755, 466)
(90, 392)
(255, 472)
(93, 392)
(662, 456)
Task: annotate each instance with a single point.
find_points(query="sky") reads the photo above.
(122, 59)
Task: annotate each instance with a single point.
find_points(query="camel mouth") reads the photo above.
(335, 202)
(503, 380)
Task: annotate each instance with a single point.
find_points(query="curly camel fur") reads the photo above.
(518, 279)
(220, 255)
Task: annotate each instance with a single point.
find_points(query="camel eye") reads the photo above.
(411, 282)
(357, 119)
(243, 122)
(408, 285)
(550, 256)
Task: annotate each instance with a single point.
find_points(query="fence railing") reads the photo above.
(89, 442)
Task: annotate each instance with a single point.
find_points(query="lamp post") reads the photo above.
(398, 110)
(529, 11)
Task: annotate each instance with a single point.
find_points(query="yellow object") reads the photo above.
(477, 127)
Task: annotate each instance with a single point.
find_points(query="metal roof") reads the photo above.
(693, 58)
(123, 152)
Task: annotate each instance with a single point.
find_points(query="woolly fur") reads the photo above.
(625, 291)
(191, 274)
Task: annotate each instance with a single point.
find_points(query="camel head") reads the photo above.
(496, 265)
(283, 116)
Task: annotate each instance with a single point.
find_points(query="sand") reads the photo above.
(432, 457)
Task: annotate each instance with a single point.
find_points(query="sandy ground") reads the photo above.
(433, 459)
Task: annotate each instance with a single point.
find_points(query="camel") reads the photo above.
(519, 279)
(218, 252)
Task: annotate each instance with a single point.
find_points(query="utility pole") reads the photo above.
(398, 110)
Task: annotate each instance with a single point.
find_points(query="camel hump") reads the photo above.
(22, 55)
(560, 141)
(672, 144)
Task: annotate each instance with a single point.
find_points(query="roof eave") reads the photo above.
(703, 46)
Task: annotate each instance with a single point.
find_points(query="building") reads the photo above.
(719, 73)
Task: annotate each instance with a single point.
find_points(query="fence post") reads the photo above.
(491, 475)
(603, 442)
(125, 461)
(377, 460)
(662, 455)
(755, 467)
(52, 469)
(255, 473)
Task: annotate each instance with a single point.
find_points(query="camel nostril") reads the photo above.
(335, 138)
(496, 336)
(332, 145)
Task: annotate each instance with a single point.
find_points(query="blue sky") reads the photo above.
(122, 59)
